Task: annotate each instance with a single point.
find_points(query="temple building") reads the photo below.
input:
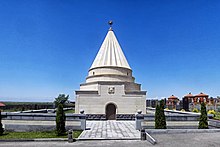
(110, 89)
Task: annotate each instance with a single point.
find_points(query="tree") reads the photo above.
(157, 117)
(163, 117)
(1, 126)
(160, 119)
(60, 121)
(61, 99)
(203, 120)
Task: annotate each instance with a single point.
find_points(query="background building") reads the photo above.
(172, 101)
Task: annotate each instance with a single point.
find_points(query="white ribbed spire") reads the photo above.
(110, 53)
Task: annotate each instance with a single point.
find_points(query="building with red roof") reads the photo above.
(189, 97)
(171, 102)
(2, 105)
(199, 98)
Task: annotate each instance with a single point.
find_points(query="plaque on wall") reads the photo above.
(111, 90)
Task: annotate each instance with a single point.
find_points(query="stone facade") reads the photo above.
(110, 88)
(95, 102)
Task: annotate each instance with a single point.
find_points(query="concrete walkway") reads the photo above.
(110, 129)
(163, 140)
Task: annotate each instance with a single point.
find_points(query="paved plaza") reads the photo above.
(110, 129)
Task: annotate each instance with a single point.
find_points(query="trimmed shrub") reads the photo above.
(163, 117)
(195, 110)
(157, 117)
(160, 118)
(1, 126)
(183, 110)
(60, 121)
(212, 112)
(203, 120)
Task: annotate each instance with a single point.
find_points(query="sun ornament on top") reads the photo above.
(110, 22)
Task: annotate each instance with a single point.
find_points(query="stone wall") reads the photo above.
(19, 122)
(126, 103)
(173, 121)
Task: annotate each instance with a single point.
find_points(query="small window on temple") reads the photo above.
(93, 73)
(127, 73)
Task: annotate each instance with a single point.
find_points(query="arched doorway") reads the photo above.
(110, 111)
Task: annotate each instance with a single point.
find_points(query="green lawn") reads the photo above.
(217, 115)
(69, 111)
(31, 135)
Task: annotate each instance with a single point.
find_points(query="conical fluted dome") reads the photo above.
(110, 53)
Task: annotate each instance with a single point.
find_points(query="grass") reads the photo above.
(32, 135)
(69, 111)
(217, 115)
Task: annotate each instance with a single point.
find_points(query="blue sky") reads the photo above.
(47, 46)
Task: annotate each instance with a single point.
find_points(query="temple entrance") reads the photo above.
(110, 112)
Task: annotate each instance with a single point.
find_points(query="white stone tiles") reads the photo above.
(110, 129)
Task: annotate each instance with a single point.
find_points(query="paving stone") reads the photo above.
(110, 129)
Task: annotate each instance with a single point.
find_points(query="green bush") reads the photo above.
(195, 110)
(203, 121)
(217, 115)
(160, 119)
(60, 121)
(1, 126)
(212, 112)
(183, 110)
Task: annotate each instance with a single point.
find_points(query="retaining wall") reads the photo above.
(174, 121)
(40, 121)
(214, 123)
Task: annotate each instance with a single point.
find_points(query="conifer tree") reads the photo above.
(60, 121)
(1, 126)
(160, 119)
(203, 120)
(157, 117)
(163, 117)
